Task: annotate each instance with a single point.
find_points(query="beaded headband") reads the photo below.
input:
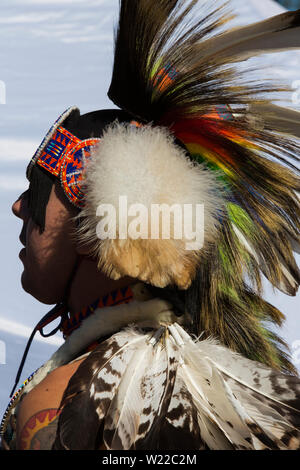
(64, 155)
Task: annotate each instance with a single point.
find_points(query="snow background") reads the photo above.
(54, 54)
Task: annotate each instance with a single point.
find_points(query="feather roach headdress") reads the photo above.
(193, 129)
(175, 72)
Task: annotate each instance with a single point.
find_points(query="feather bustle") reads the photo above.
(197, 388)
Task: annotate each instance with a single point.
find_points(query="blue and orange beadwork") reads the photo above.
(59, 122)
(51, 157)
(71, 174)
(65, 156)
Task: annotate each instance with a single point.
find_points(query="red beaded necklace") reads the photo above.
(117, 297)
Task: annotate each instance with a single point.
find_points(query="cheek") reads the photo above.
(49, 262)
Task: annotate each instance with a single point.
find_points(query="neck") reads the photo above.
(89, 284)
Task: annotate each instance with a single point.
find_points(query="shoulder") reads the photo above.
(38, 411)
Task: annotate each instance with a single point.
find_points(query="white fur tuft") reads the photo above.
(145, 165)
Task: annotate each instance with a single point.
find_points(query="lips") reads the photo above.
(22, 237)
(22, 240)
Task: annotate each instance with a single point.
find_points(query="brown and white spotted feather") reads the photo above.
(133, 409)
(182, 418)
(155, 437)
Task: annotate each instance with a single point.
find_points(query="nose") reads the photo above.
(19, 207)
(16, 208)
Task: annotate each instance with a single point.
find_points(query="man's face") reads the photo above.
(49, 258)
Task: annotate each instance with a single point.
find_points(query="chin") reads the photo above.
(38, 292)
